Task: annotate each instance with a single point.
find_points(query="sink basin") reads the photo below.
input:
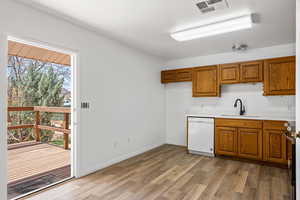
(235, 115)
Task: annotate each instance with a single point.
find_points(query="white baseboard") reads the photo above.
(118, 159)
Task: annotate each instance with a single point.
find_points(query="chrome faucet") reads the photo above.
(242, 107)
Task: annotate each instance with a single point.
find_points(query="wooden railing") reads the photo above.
(37, 122)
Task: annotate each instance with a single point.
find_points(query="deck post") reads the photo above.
(66, 126)
(36, 128)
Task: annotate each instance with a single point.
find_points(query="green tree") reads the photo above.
(36, 85)
(42, 88)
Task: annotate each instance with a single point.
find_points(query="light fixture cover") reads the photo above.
(230, 25)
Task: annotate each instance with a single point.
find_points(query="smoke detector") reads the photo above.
(207, 6)
(239, 47)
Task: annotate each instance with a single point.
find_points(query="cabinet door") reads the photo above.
(275, 146)
(168, 76)
(250, 143)
(251, 71)
(279, 76)
(184, 75)
(229, 73)
(205, 82)
(226, 141)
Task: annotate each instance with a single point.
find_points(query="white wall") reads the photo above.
(122, 84)
(179, 100)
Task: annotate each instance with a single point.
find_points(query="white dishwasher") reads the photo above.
(201, 135)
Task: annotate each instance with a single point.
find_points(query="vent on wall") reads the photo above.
(206, 6)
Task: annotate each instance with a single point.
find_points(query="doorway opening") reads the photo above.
(39, 132)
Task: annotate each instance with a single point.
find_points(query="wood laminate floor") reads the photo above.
(169, 173)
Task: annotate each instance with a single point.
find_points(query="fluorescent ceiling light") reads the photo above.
(230, 25)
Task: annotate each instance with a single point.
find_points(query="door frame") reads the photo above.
(75, 111)
(297, 98)
(3, 116)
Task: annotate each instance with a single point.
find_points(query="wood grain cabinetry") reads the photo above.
(275, 146)
(279, 76)
(275, 143)
(205, 82)
(226, 141)
(251, 72)
(178, 75)
(250, 143)
(184, 75)
(168, 76)
(241, 72)
(242, 138)
(229, 73)
(252, 139)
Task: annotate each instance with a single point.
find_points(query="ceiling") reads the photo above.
(146, 24)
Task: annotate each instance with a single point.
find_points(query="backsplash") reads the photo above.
(251, 95)
(179, 103)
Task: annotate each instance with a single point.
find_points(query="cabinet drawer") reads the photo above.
(274, 125)
(239, 123)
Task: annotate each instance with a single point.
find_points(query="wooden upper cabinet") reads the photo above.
(178, 75)
(205, 82)
(229, 73)
(279, 76)
(226, 141)
(251, 71)
(250, 143)
(241, 72)
(168, 76)
(184, 75)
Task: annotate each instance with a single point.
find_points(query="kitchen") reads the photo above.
(187, 99)
(238, 110)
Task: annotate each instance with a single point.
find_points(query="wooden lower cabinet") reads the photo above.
(275, 146)
(226, 141)
(252, 139)
(250, 143)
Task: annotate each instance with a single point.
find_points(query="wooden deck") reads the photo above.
(29, 161)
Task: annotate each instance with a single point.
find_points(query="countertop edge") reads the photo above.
(272, 118)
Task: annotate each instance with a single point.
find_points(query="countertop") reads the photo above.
(250, 116)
